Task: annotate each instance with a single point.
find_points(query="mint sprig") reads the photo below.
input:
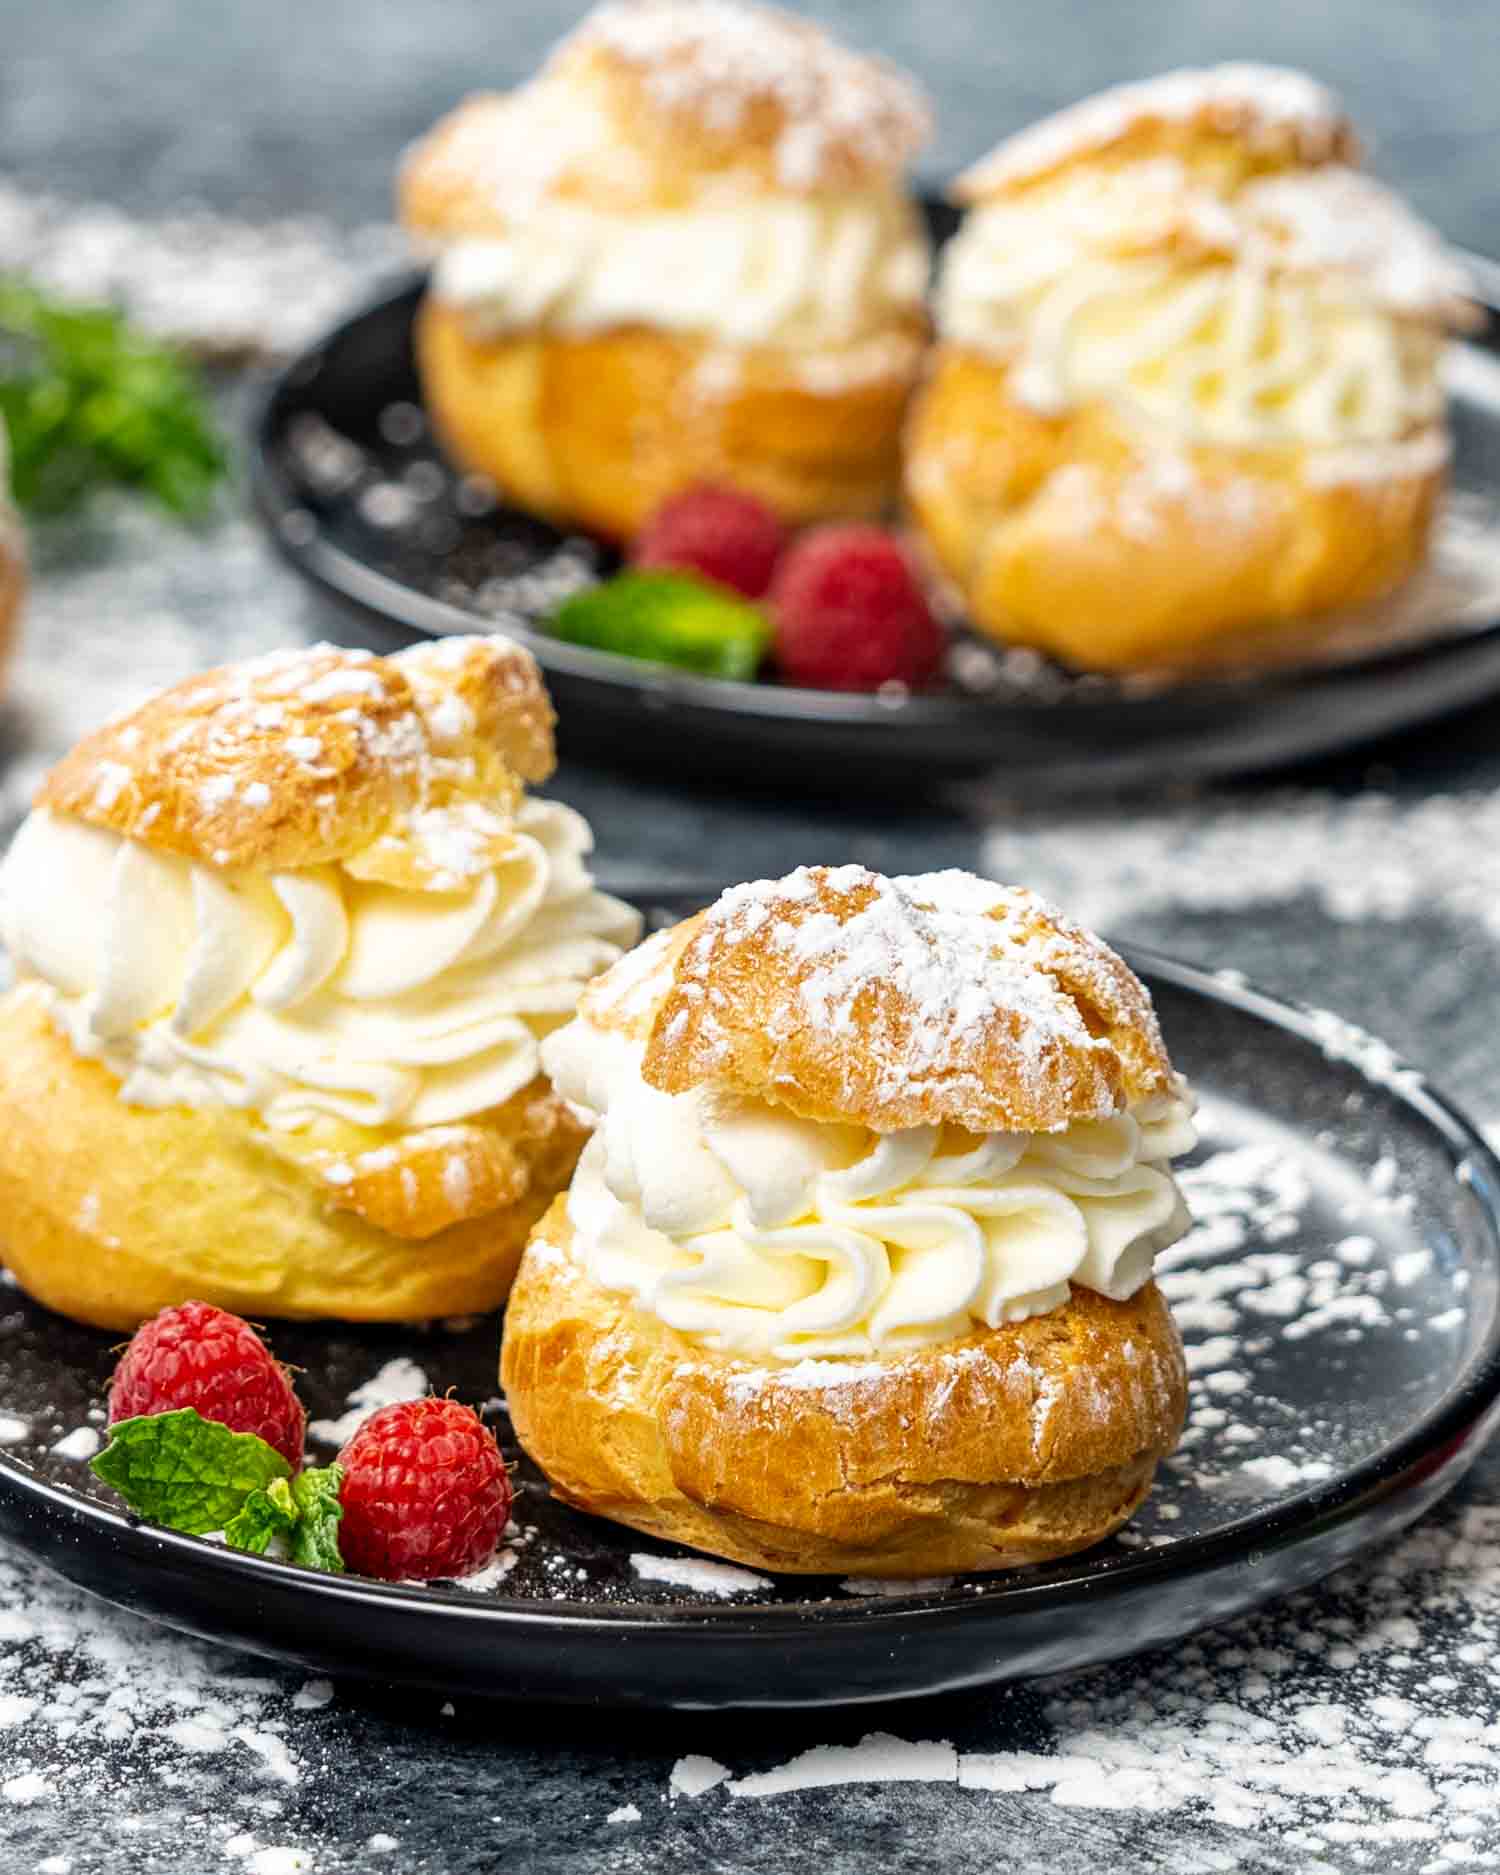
(263, 1516)
(88, 400)
(668, 618)
(192, 1474)
(315, 1536)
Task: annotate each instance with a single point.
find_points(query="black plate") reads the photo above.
(1341, 1305)
(358, 498)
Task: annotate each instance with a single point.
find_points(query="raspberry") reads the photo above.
(726, 536)
(206, 1358)
(425, 1493)
(850, 614)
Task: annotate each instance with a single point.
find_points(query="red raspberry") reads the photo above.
(718, 532)
(850, 614)
(204, 1357)
(425, 1493)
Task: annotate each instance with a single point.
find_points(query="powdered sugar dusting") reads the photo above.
(699, 1574)
(1262, 103)
(911, 980)
(719, 59)
(399, 1379)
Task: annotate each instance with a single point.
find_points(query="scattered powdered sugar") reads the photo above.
(482, 1581)
(700, 1575)
(693, 1775)
(82, 1443)
(93, 1701)
(879, 1758)
(1369, 856)
(219, 285)
(893, 1588)
(1336, 1724)
(399, 1379)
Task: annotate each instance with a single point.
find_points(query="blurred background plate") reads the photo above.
(1340, 1302)
(356, 495)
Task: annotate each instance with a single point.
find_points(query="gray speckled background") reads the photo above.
(284, 107)
(1380, 904)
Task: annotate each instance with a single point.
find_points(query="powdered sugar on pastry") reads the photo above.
(1267, 106)
(930, 999)
(720, 61)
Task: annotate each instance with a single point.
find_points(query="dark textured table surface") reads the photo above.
(1354, 1728)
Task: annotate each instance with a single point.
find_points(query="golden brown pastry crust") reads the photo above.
(618, 122)
(1234, 121)
(305, 757)
(291, 761)
(1093, 535)
(726, 1002)
(109, 1213)
(1013, 1445)
(1109, 567)
(600, 430)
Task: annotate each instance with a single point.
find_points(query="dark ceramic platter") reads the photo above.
(1341, 1306)
(357, 496)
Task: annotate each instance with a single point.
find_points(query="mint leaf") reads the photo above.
(89, 400)
(668, 618)
(315, 1540)
(185, 1471)
(264, 1514)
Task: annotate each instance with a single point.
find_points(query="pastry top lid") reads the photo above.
(1339, 221)
(308, 756)
(650, 103)
(1276, 115)
(890, 1003)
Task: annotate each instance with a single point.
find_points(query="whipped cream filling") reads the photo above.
(1251, 344)
(792, 271)
(765, 1235)
(311, 992)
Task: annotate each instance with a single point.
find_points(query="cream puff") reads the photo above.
(287, 941)
(684, 252)
(1187, 379)
(855, 1273)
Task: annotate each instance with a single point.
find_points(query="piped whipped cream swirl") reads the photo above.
(789, 271)
(765, 1235)
(1253, 321)
(311, 992)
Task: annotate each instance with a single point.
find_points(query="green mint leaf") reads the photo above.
(87, 400)
(315, 1540)
(186, 1472)
(668, 618)
(264, 1515)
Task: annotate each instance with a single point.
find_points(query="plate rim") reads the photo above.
(349, 580)
(1320, 1509)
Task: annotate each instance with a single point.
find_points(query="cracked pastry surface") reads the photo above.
(682, 252)
(297, 922)
(1187, 382)
(855, 1273)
